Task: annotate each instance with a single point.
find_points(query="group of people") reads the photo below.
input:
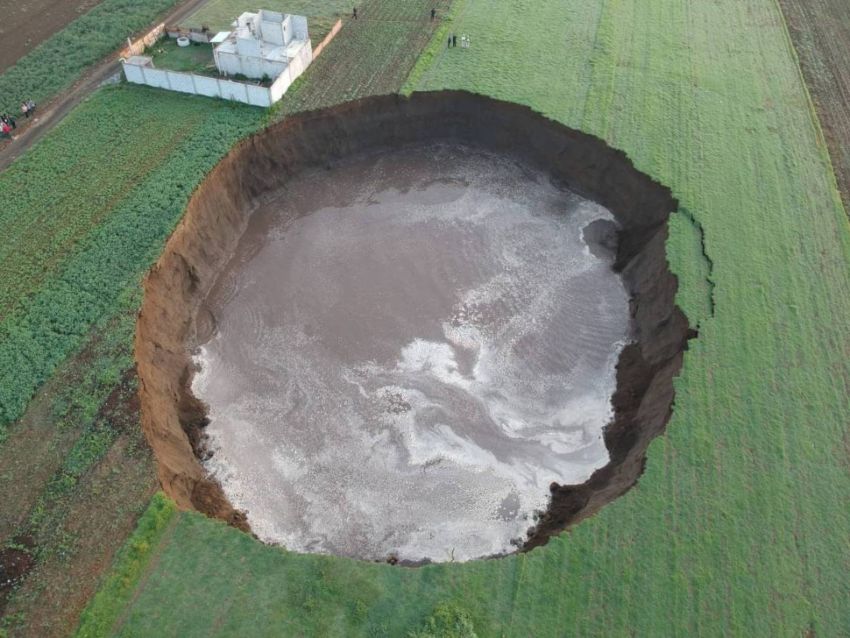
(8, 123)
(464, 41)
(28, 108)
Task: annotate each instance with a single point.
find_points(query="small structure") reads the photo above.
(266, 46)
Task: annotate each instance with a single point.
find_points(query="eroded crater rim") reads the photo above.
(173, 419)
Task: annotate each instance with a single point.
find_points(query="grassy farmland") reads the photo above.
(739, 525)
(84, 214)
(821, 34)
(58, 62)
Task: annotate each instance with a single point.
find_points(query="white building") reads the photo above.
(264, 44)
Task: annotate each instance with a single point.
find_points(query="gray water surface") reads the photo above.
(409, 348)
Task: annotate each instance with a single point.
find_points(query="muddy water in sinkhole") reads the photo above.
(406, 350)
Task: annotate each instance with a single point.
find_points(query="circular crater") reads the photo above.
(410, 347)
(419, 329)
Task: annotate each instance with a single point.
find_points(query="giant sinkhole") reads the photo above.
(427, 328)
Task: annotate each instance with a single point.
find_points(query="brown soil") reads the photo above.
(15, 562)
(26, 24)
(173, 419)
(77, 529)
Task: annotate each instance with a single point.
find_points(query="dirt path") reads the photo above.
(53, 112)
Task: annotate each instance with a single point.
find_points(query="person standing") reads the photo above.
(433, 13)
(450, 42)
(25, 109)
(454, 39)
(354, 13)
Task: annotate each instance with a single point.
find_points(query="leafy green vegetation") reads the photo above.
(739, 524)
(59, 61)
(447, 621)
(83, 224)
(75, 474)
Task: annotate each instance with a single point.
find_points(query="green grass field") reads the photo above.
(197, 58)
(740, 524)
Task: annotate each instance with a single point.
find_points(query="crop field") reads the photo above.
(375, 57)
(62, 59)
(321, 14)
(80, 225)
(72, 251)
(739, 525)
(21, 33)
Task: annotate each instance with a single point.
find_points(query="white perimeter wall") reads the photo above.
(296, 67)
(200, 85)
(220, 87)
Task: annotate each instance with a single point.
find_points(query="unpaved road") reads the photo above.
(50, 114)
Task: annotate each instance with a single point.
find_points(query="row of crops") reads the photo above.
(372, 56)
(83, 215)
(66, 208)
(87, 211)
(61, 60)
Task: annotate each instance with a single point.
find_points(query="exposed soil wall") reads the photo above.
(173, 419)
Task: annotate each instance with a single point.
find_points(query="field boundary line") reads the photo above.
(820, 138)
(108, 610)
(152, 562)
(429, 54)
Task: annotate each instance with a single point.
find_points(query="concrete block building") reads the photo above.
(264, 44)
